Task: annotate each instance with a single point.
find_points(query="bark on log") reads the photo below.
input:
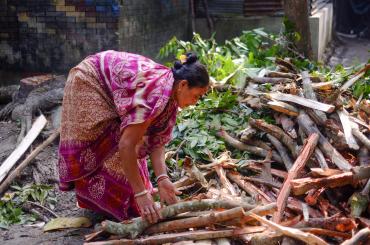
(301, 186)
(248, 187)
(298, 165)
(276, 132)
(224, 181)
(201, 221)
(291, 232)
(287, 124)
(361, 137)
(281, 149)
(361, 236)
(310, 94)
(284, 108)
(281, 74)
(252, 149)
(138, 225)
(301, 101)
(272, 80)
(330, 152)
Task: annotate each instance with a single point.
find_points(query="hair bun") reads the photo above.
(191, 58)
(177, 65)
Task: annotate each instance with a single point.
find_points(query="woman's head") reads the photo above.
(191, 80)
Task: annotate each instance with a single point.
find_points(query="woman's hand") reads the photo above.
(148, 209)
(168, 192)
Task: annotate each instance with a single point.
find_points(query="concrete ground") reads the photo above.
(350, 51)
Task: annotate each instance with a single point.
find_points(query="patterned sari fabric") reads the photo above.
(103, 95)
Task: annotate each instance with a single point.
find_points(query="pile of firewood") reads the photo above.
(309, 182)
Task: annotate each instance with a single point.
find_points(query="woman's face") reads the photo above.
(186, 96)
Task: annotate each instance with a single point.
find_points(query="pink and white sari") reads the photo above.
(104, 94)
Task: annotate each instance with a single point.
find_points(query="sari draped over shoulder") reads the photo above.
(104, 94)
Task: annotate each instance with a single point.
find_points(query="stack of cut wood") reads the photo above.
(309, 181)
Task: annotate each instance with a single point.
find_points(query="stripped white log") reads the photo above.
(351, 81)
(347, 129)
(7, 165)
(301, 101)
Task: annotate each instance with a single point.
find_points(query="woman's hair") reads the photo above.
(191, 70)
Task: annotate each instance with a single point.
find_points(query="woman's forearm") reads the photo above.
(131, 168)
(158, 161)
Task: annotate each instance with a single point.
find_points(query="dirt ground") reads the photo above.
(44, 168)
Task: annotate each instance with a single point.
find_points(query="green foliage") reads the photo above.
(11, 203)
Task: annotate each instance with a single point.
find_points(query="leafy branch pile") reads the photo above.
(277, 150)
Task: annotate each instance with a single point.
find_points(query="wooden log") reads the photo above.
(183, 236)
(301, 186)
(298, 165)
(138, 225)
(361, 137)
(301, 101)
(276, 132)
(194, 222)
(252, 149)
(5, 184)
(281, 74)
(284, 108)
(282, 151)
(324, 232)
(272, 80)
(224, 181)
(360, 238)
(321, 159)
(291, 232)
(194, 172)
(287, 124)
(310, 94)
(7, 165)
(248, 187)
(323, 85)
(286, 64)
(330, 152)
(334, 223)
(347, 129)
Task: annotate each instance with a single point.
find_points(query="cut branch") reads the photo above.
(301, 186)
(309, 127)
(301, 101)
(276, 132)
(138, 225)
(283, 153)
(201, 221)
(252, 149)
(298, 165)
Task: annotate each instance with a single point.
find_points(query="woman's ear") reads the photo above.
(183, 83)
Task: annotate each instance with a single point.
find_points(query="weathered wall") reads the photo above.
(54, 35)
(146, 25)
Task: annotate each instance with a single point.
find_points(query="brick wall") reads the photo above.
(54, 35)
